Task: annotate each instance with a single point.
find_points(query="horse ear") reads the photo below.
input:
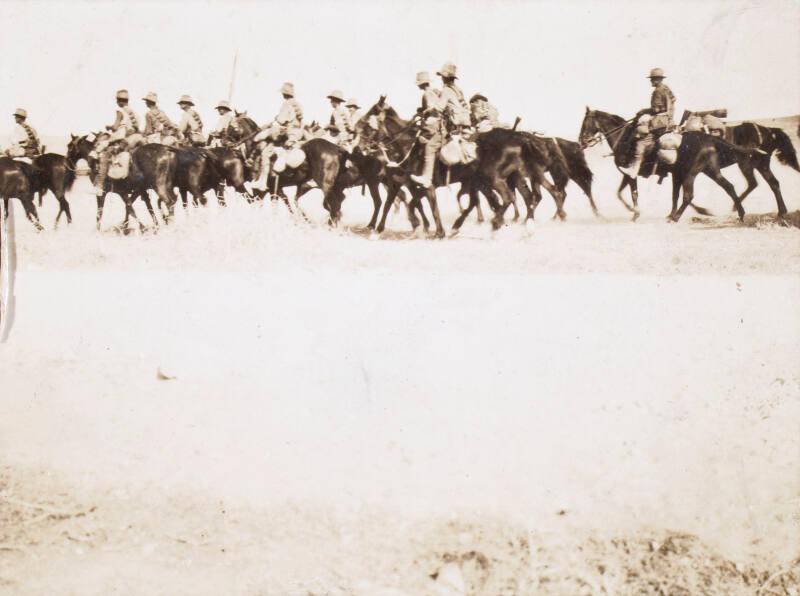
(382, 100)
(72, 136)
(587, 109)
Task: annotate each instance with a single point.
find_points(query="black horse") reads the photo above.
(199, 170)
(619, 134)
(15, 183)
(768, 141)
(152, 168)
(324, 167)
(701, 153)
(53, 172)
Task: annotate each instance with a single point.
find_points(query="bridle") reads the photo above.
(601, 134)
(382, 144)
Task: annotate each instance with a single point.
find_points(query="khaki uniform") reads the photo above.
(158, 126)
(484, 115)
(24, 141)
(192, 127)
(289, 122)
(223, 123)
(125, 123)
(455, 106)
(340, 126)
(432, 135)
(662, 108)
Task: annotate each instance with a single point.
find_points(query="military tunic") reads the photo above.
(454, 105)
(125, 123)
(192, 127)
(157, 122)
(24, 141)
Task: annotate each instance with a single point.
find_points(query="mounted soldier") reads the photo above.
(219, 135)
(158, 128)
(354, 109)
(484, 115)
(652, 122)
(340, 127)
(24, 140)
(452, 100)
(432, 131)
(191, 126)
(287, 127)
(123, 136)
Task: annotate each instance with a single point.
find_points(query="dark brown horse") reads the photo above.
(152, 168)
(620, 136)
(701, 153)
(325, 167)
(55, 173)
(199, 170)
(768, 141)
(15, 184)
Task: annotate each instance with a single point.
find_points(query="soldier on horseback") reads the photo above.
(158, 128)
(287, 125)
(340, 127)
(124, 134)
(354, 109)
(432, 132)
(220, 133)
(660, 119)
(24, 140)
(484, 115)
(190, 126)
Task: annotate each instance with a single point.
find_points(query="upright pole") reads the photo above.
(233, 75)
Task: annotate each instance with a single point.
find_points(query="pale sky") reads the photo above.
(544, 61)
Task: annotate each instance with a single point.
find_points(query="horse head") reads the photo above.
(79, 147)
(597, 124)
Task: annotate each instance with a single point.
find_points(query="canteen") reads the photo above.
(668, 156)
(450, 153)
(671, 140)
(295, 158)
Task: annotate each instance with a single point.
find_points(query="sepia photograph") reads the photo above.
(408, 298)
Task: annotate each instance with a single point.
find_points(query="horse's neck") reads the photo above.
(400, 132)
(611, 125)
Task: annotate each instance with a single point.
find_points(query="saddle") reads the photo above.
(458, 150)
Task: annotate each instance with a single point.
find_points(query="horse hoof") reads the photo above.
(440, 235)
(373, 235)
(636, 215)
(529, 225)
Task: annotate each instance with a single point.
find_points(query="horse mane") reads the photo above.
(613, 118)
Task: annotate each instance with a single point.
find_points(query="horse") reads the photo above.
(199, 170)
(15, 183)
(324, 166)
(152, 167)
(707, 154)
(619, 134)
(768, 141)
(53, 172)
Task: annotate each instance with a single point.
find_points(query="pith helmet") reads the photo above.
(448, 70)
(336, 94)
(21, 113)
(186, 99)
(423, 78)
(151, 97)
(224, 105)
(352, 103)
(477, 97)
(657, 73)
(287, 89)
(123, 94)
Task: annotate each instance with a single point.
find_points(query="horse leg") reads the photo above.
(146, 198)
(474, 202)
(375, 193)
(635, 198)
(434, 205)
(714, 173)
(101, 200)
(391, 194)
(63, 207)
(499, 184)
(185, 199)
(676, 192)
(766, 172)
(688, 194)
(29, 204)
(746, 167)
(220, 194)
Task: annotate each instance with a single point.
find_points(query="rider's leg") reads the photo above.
(431, 151)
(643, 145)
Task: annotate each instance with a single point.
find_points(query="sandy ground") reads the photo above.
(245, 403)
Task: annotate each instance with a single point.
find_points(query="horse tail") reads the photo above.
(579, 170)
(785, 151)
